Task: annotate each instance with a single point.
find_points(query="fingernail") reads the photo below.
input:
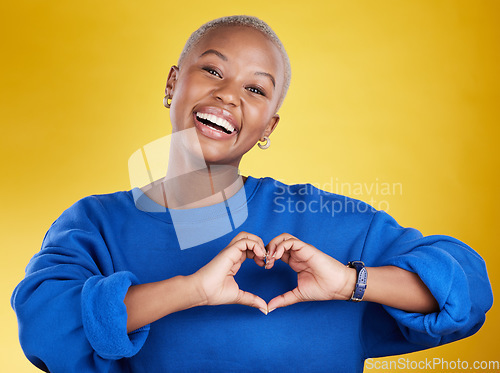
(264, 311)
(271, 310)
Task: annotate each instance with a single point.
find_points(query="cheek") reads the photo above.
(190, 86)
(184, 91)
(260, 117)
(186, 95)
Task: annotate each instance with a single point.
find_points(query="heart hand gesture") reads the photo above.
(215, 281)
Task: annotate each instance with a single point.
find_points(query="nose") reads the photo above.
(227, 93)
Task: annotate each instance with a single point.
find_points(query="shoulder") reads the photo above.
(86, 221)
(94, 207)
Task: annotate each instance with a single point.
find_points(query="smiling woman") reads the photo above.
(343, 284)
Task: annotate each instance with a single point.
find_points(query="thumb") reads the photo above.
(251, 300)
(283, 300)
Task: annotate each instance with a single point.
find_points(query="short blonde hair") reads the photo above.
(248, 21)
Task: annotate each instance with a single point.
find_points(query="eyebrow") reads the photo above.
(213, 51)
(269, 76)
(224, 58)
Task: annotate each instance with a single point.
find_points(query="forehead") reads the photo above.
(243, 42)
(236, 32)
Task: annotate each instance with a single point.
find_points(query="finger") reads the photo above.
(252, 248)
(254, 244)
(237, 253)
(285, 257)
(272, 254)
(296, 248)
(256, 252)
(284, 300)
(269, 263)
(279, 254)
(250, 236)
(272, 258)
(259, 261)
(281, 248)
(271, 246)
(251, 300)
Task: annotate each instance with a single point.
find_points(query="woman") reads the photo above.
(127, 281)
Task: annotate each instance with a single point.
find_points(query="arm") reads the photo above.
(72, 318)
(452, 272)
(398, 288)
(70, 305)
(211, 285)
(147, 303)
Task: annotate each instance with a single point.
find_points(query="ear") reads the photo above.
(271, 125)
(171, 80)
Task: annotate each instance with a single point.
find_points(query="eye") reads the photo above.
(256, 90)
(212, 71)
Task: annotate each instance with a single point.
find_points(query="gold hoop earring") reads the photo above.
(165, 101)
(265, 145)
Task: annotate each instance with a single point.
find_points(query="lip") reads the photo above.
(221, 113)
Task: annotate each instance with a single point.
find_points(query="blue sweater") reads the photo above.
(72, 317)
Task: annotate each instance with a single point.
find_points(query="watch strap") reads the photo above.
(362, 277)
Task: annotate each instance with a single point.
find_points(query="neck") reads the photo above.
(208, 186)
(191, 183)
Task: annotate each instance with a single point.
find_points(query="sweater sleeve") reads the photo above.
(70, 307)
(454, 273)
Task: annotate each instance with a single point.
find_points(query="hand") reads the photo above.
(215, 281)
(319, 276)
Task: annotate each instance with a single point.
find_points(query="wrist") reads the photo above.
(350, 284)
(196, 292)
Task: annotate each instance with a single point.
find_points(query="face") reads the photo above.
(227, 88)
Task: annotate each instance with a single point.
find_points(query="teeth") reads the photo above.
(217, 120)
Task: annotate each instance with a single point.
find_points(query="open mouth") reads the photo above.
(215, 122)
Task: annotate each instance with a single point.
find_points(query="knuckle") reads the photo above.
(244, 235)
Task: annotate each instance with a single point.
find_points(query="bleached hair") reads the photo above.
(241, 20)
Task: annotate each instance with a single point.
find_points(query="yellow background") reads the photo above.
(383, 91)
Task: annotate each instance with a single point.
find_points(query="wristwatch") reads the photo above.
(362, 276)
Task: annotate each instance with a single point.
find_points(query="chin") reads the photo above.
(214, 156)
